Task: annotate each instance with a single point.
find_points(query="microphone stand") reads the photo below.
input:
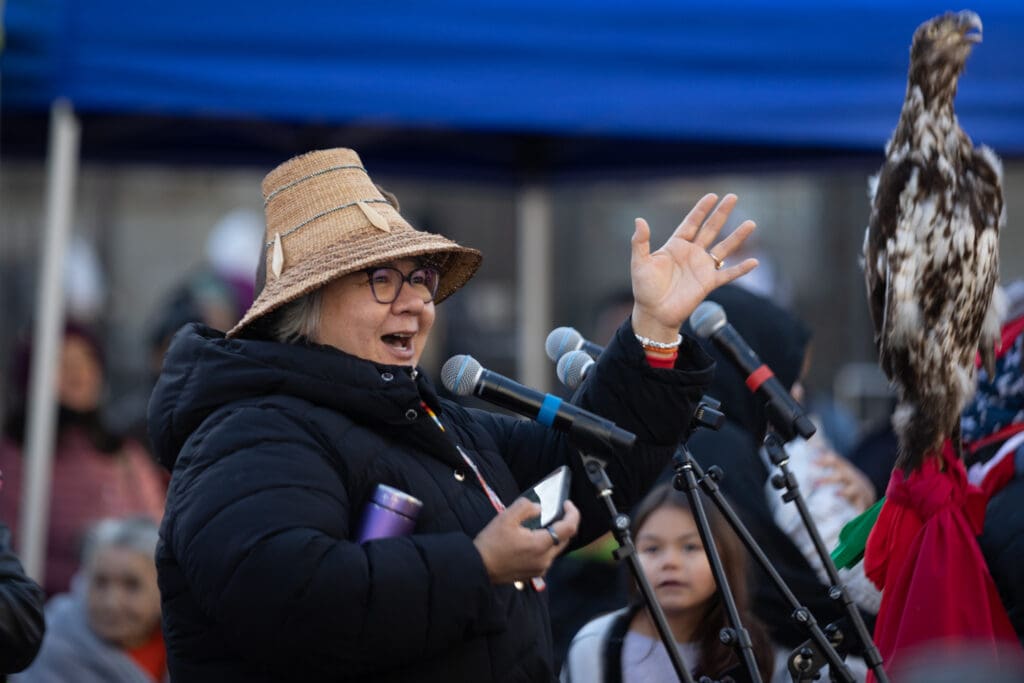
(685, 480)
(804, 658)
(800, 614)
(737, 637)
(620, 528)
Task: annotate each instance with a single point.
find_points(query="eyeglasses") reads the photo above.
(386, 283)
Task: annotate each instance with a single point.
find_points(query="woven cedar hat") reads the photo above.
(325, 219)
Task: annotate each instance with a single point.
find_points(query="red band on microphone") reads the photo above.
(759, 377)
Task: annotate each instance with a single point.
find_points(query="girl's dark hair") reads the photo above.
(716, 658)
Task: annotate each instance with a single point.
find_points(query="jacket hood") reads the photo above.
(777, 336)
(203, 371)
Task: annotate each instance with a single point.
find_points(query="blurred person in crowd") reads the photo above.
(781, 341)
(993, 432)
(107, 629)
(21, 611)
(233, 255)
(835, 492)
(626, 646)
(215, 292)
(279, 433)
(201, 297)
(96, 472)
(84, 287)
(220, 289)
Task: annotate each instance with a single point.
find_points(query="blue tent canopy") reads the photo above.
(784, 75)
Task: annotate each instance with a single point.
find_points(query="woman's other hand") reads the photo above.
(511, 552)
(669, 283)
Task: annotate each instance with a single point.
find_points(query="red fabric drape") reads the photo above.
(923, 552)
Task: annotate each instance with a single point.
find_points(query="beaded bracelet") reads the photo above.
(650, 344)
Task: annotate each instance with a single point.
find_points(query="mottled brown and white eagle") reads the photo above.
(931, 259)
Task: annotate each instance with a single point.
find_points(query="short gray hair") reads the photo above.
(299, 320)
(140, 534)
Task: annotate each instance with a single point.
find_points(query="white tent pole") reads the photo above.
(533, 285)
(62, 167)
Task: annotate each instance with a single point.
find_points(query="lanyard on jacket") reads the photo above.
(537, 582)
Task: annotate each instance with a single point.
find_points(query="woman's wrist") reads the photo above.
(648, 328)
(657, 347)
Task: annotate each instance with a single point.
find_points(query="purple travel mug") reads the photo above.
(389, 513)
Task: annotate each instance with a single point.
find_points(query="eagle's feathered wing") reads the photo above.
(931, 257)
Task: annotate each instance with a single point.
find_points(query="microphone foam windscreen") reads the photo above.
(460, 373)
(560, 341)
(707, 318)
(573, 367)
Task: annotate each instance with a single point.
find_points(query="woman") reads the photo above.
(279, 433)
(625, 646)
(96, 472)
(107, 630)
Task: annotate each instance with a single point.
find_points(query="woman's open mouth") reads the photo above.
(400, 345)
(401, 341)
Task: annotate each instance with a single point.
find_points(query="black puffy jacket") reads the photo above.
(275, 450)
(22, 623)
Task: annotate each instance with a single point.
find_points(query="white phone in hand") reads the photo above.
(551, 492)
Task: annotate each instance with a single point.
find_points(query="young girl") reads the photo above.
(625, 645)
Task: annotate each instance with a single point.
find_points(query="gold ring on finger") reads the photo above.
(718, 262)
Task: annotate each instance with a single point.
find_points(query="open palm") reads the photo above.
(669, 283)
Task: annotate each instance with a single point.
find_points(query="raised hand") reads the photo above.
(669, 283)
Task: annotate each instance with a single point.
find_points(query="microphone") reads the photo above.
(574, 367)
(463, 376)
(708, 322)
(562, 340)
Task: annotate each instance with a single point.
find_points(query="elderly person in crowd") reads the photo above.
(107, 630)
(279, 432)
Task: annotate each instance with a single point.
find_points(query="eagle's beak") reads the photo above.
(970, 26)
